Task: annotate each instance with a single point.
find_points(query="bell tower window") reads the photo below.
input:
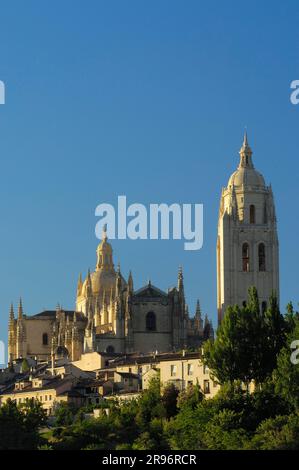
(245, 257)
(252, 214)
(262, 257)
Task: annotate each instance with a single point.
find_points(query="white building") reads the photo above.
(247, 243)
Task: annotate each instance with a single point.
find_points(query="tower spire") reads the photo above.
(130, 282)
(104, 233)
(245, 153)
(11, 313)
(198, 311)
(20, 310)
(180, 279)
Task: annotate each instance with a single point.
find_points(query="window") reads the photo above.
(46, 397)
(262, 257)
(50, 397)
(206, 386)
(205, 369)
(173, 370)
(150, 321)
(45, 339)
(252, 214)
(110, 349)
(264, 306)
(245, 257)
(190, 369)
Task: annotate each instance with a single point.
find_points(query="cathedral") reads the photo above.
(111, 316)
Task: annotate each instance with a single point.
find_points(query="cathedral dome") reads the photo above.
(103, 280)
(246, 177)
(246, 174)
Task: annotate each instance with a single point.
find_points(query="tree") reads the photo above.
(150, 404)
(34, 413)
(190, 397)
(19, 425)
(286, 375)
(169, 400)
(247, 342)
(275, 332)
(224, 431)
(279, 433)
(64, 414)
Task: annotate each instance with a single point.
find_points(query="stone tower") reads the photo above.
(247, 243)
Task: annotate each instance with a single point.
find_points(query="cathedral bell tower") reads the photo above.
(247, 243)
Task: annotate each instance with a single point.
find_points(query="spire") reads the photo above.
(245, 153)
(198, 311)
(118, 282)
(79, 286)
(11, 313)
(104, 254)
(187, 310)
(104, 234)
(20, 310)
(180, 279)
(130, 282)
(245, 140)
(88, 284)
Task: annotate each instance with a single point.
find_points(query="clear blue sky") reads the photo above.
(147, 99)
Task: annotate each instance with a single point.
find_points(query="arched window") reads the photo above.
(264, 306)
(245, 257)
(262, 257)
(45, 339)
(110, 349)
(150, 321)
(252, 214)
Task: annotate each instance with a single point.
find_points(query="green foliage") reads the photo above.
(169, 400)
(279, 433)
(190, 397)
(286, 376)
(25, 366)
(19, 425)
(64, 414)
(247, 342)
(224, 431)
